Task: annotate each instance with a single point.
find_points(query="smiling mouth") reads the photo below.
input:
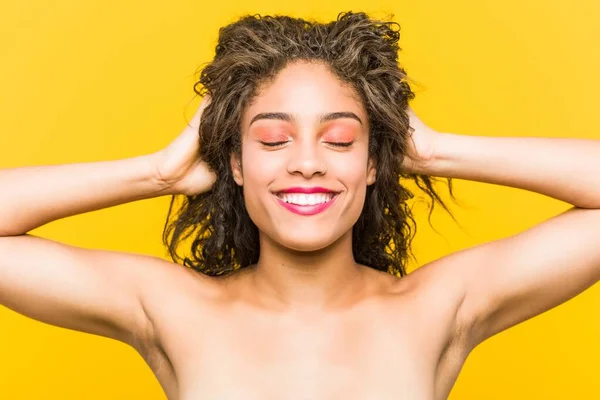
(303, 199)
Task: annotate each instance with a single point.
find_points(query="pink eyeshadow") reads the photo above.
(339, 136)
(270, 136)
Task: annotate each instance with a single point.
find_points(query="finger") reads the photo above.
(195, 121)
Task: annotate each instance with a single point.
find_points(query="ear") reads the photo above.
(371, 172)
(235, 162)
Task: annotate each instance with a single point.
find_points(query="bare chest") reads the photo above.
(364, 354)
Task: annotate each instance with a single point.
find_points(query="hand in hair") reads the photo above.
(178, 165)
(421, 144)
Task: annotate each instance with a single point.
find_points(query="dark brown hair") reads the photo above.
(250, 52)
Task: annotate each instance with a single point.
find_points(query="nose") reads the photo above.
(306, 159)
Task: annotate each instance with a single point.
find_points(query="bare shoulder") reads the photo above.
(433, 295)
(172, 276)
(436, 289)
(171, 288)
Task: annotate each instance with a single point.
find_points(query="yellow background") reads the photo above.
(90, 81)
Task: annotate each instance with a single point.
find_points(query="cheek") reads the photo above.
(258, 164)
(350, 169)
(353, 174)
(259, 173)
(262, 168)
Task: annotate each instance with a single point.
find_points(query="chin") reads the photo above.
(304, 242)
(305, 247)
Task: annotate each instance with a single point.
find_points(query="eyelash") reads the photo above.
(339, 144)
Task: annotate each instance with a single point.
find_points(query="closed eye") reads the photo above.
(272, 144)
(339, 144)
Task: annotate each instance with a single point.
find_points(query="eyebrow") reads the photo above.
(290, 118)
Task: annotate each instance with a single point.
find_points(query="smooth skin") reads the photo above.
(306, 321)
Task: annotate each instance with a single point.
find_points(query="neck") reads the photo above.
(310, 281)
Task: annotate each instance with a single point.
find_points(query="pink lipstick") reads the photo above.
(306, 209)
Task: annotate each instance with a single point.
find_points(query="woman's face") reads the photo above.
(305, 131)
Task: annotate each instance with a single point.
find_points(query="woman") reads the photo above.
(297, 286)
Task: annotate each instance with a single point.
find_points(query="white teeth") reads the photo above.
(302, 199)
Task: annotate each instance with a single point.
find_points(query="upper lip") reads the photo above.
(312, 189)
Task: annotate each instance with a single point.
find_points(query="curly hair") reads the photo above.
(358, 50)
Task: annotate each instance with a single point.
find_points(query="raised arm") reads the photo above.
(508, 281)
(94, 291)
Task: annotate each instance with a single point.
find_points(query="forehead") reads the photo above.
(306, 90)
